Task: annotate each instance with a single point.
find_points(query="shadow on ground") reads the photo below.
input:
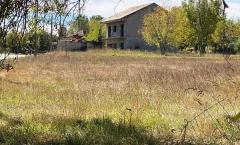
(59, 131)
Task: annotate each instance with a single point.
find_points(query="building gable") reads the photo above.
(126, 13)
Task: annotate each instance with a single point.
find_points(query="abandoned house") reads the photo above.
(74, 42)
(124, 28)
(77, 42)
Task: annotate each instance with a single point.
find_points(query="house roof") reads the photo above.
(127, 12)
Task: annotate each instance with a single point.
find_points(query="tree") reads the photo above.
(16, 15)
(231, 32)
(203, 16)
(157, 27)
(95, 29)
(97, 18)
(162, 28)
(16, 42)
(80, 23)
(43, 41)
(12, 13)
(182, 35)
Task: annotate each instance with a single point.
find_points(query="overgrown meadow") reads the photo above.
(120, 97)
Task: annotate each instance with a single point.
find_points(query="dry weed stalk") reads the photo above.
(218, 103)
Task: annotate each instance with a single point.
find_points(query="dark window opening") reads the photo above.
(109, 45)
(114, 45)
(136, 47)
(121, 45)
(122, 30)
(109, 31)
(114, 28)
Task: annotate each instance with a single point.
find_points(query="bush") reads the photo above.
(43, 40)
(237, 45)
(226, 49)
(16, 42)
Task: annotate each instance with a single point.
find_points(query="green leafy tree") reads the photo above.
(16, 42)
(16, 15)
(95, 29)
(97, 18)
(182, 35)
(162, 28)
(12, 13)
(157, 28)
(203, 16)
(231, 32)
(81, 23)
(43, 39)
(237, 45)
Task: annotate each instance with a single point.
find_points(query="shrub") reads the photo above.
(43, 40)
(237, 45)
(15, 42)
(18, 43)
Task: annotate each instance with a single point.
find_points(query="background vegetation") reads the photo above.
(196, 25)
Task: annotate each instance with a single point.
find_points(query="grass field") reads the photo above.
(120, 97)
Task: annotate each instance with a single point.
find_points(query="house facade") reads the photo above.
(124, 28)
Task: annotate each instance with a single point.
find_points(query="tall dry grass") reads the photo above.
(140, 88)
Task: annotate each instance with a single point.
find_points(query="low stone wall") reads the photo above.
(70, 45)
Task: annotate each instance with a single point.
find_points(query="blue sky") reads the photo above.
(106, 7)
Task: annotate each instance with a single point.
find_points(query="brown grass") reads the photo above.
(159, 91)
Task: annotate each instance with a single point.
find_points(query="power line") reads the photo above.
(116, 6)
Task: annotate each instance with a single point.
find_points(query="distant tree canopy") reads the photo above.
(196, 24)
(80, 23)
(94, 30)
(203, 16)
(15, 42)
(230, 39)
(97, 18)
(182, 35)
(24, 24)
(162, 28)
(18, 43)
(28, 16)
(43, 41)
(157, 27)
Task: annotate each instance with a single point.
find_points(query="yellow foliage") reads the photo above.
(156, 27)
(170, 27)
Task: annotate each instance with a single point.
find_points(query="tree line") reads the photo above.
(197, 25)
(42, 38)
(92, 27)
(32, 25)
